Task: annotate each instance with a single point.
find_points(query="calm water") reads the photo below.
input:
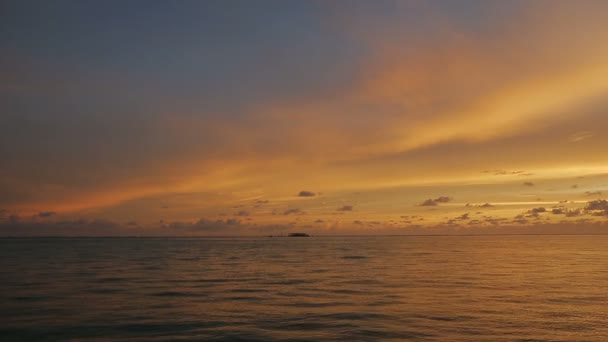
(502, 288)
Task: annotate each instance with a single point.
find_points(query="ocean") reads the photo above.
(392, 288)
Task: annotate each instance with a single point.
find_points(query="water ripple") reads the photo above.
(506, 288)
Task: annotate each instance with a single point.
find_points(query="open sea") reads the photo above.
(422, 288)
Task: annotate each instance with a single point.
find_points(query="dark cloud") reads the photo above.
(528, 184)
(305, 193)
(494, 220)
(594, 193)
(565, 211)
(319, 221)
(574, 212)
(428, 203)
(260, 203)
(463, 217)
(242, 213)
(345, 208)
(597, 205)
(46, 214)
(292, 211)
(597, 208)
(442, 199)
(537, 210)
(433, 202)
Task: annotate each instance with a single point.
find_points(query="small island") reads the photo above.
(298, 235)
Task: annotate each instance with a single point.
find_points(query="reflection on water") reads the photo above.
(502, 288)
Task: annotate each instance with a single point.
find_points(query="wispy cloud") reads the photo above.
(580, 136)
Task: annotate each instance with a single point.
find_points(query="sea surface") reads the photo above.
(421, 288)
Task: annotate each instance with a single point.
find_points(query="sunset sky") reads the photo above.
(328, 117)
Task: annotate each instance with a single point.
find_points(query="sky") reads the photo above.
(328, 117)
